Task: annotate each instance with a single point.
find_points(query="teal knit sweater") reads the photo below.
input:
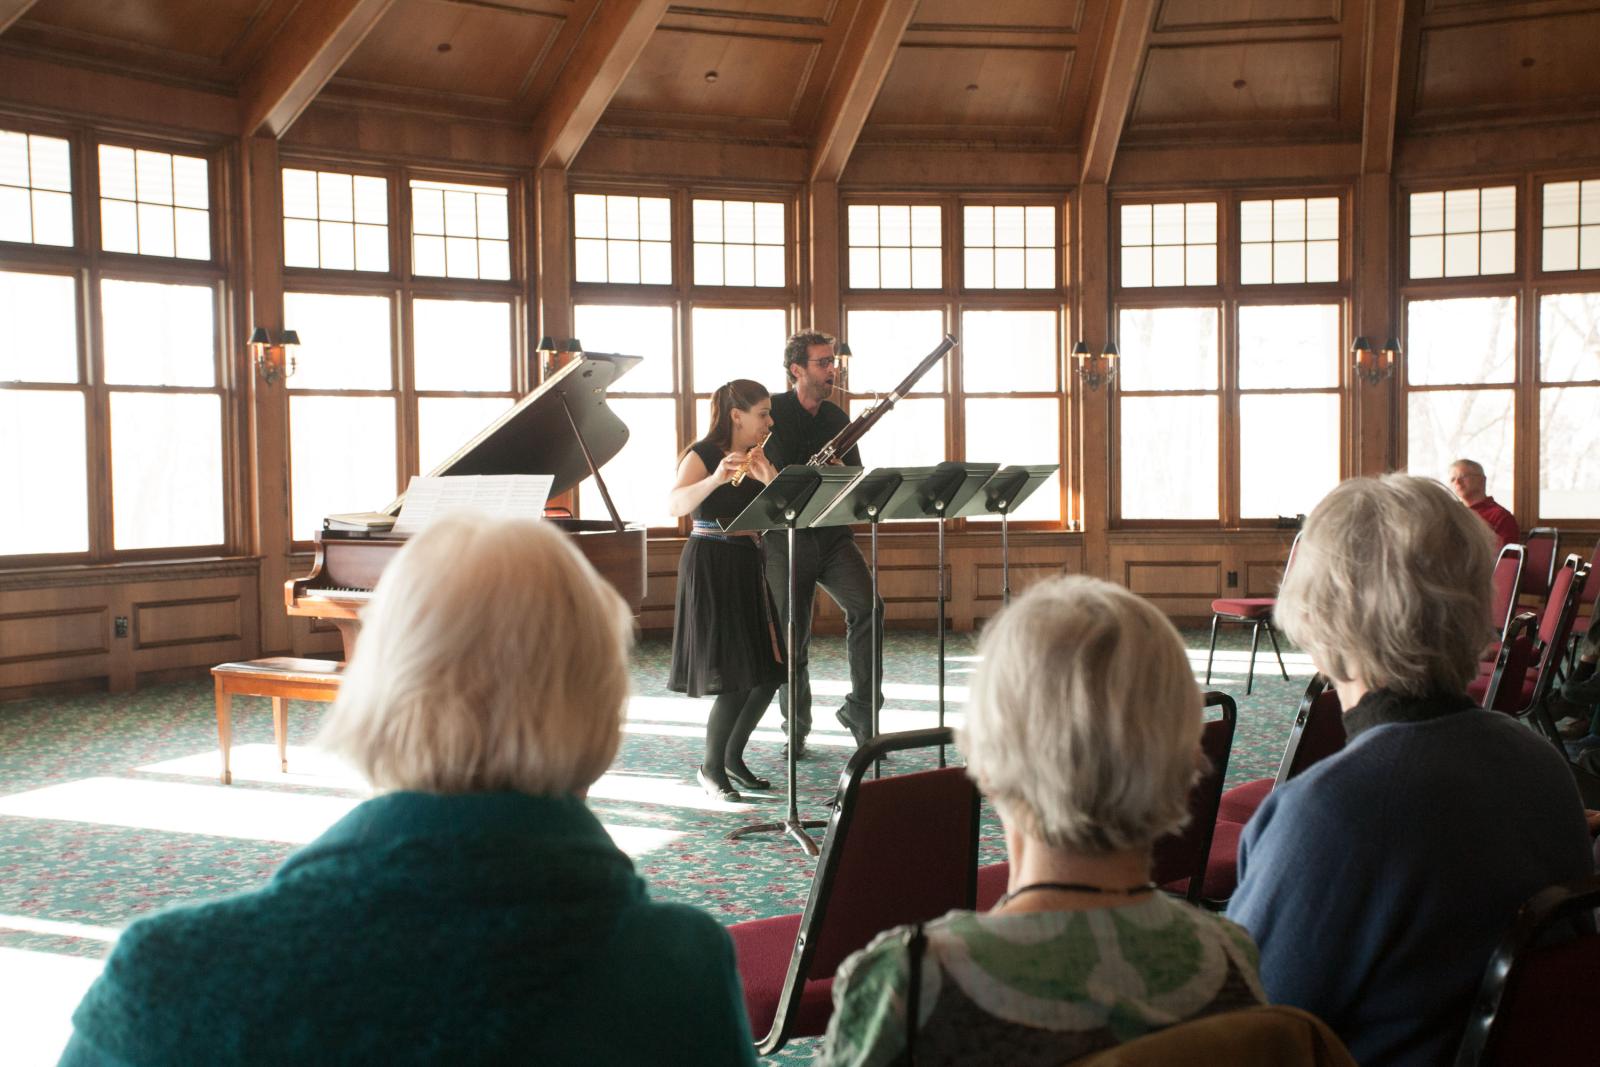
(482, 928)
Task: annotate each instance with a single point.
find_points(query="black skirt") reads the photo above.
(723, 635)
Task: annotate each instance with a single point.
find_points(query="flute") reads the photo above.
(744, 468)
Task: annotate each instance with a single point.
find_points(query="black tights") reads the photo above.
(733, 719)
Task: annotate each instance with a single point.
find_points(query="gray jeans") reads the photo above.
(828, 558)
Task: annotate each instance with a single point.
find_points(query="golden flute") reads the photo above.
(744, 468)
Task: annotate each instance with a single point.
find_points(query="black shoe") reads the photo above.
(799, 749)
(715, 790)
(862, 734)
(746, 780)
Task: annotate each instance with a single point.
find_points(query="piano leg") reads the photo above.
(225, 729)
(349, 630)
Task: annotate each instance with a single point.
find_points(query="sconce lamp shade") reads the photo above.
(1392, 345)
(290, 337)
(1361, 345)
(844, 348)
(1110, 350)
(571, 344)
(1081, 349)
(547, 343)
(258, 336)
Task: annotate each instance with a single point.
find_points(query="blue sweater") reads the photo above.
(482, 928)
(1378, 883)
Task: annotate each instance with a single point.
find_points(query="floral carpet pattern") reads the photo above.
(110, 806)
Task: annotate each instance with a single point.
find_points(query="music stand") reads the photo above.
(943, 493)
(1001, 495)
(790, 502)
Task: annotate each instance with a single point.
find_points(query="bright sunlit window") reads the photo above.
(624, 240)
(35, 189)
(335, 221)
(1461, 362)
(154, 203)
(1169, 412)
(460, 231)
(895, 246)
(1168, 244)
(738, 242)
(1571, 226)
(1460, 233)
(886, 345)
(1289, 241)
(1569, 433)
(1008, 246)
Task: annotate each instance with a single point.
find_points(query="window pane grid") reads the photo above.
(622, 240)
(460, 231)
(1462, 233)
(1290, 241)
(1170, 244)
(1008, 247)
(335, 221)
(738, 243)
(895, 246)
(154, 203)
(35, 189)
(1571, 229)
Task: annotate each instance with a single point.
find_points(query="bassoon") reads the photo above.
(846, 439)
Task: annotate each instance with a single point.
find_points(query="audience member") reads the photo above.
(1083, 728)
(475, 911)
(724, 633)
(1467, 481)
(1378, 882)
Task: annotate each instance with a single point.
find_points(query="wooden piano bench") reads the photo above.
(282, 678)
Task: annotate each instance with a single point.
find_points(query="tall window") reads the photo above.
(1228, 402)
(408, 329)
(724, 314)
(1569, 349)
(995, 282)
(114, 435)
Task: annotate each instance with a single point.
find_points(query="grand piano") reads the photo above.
(564, 429)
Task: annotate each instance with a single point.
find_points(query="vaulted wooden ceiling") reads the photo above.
(825, 75)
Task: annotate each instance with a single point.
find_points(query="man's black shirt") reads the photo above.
(797, 434)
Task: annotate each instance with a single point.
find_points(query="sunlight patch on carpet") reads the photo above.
(38, 991)
(308, 766)
(30, 924)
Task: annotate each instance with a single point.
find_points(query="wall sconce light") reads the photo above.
(550, 352)
(273, 359)
(1372, 366)
(1095, 370)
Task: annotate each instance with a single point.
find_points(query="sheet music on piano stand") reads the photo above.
(517, 496)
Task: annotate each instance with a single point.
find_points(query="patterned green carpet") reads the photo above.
(110, 806)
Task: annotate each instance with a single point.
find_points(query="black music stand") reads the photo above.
(1001, 495)
(790, 502)
(945, 491)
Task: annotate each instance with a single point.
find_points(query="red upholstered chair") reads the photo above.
(1538, 990)
(1591, 600)
(1555, 623)
(1255, 612)
(1180, 859)
(900, 849)
(1318, 732)
(1505, 688)
(1541, 548)
(1507, 579)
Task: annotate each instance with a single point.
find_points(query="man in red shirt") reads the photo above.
(1468, 482)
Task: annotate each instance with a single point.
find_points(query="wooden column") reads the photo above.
(820, 259)
(268, 430)
(554, 259)
(1090, 233)
(1374, 448)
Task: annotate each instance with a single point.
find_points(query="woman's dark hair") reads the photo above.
(741, 393)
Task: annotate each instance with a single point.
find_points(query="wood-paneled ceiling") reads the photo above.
(825, 75)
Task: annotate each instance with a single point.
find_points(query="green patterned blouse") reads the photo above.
(1040, 987)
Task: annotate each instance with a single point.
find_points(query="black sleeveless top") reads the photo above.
(727, 499)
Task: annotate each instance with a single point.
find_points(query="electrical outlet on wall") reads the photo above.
(122, 626)
(1233, 579)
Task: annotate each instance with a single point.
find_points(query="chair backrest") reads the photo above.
(899, 850)
(1507, 579)
(1184, 854)
(1539, 986)
(1541, 547)
(1272, 1035)
(1504, 692)
(1318, 730)
(1555, 623)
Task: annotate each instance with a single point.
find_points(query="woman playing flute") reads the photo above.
(723, 643)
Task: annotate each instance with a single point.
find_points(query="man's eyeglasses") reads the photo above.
(827, 361)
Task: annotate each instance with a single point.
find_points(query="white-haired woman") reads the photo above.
(1378, 882)
(475, 911)
(1083, 727)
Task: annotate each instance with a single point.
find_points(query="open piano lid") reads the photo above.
(536, 437)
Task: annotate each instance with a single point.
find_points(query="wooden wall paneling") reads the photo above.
(823, 257)
(903, 167)
(608, 49)
(1031, 559)
(554, 262)
(681, 155)
(105, 96)
(1450, 153)
(192, 624)
(268, 422)
(11, 11)
(1014, 92)
(759, 79)
(1176, 166)
(54, 634)
(661, 584)
(869, 50)
(1290, 83)
(352, 132)
(305, 54)
(1519, 63)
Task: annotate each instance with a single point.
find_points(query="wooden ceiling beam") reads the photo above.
(1117, 66)
(609, 47)
(304, 55)
(11, 11)
(1386, 30)
(869, 51)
